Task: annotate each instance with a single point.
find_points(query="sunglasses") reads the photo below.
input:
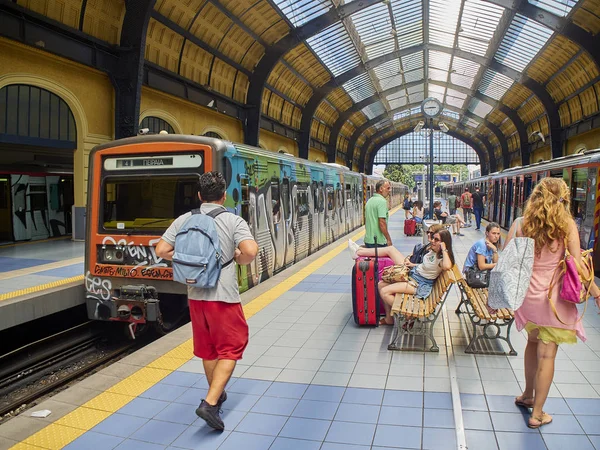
(429, 233)
(437, 240)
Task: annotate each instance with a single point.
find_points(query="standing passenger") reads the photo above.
(406, 205)
(547, 220)
(219, 328)
(466, 201)
(478, 199)
(452, 203)
(376, 217)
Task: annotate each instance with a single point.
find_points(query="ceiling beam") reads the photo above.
(128, 75)
(275, 52)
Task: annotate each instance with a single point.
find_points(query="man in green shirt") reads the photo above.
(376, 216)
(452, 203)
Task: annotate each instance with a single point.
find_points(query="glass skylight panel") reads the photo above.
(480, 108)
(374, 29)
(389, 74)
(402, 114)
(397, 100)
(523, 40)
(359, 88)
(494, 84)
(463, 72)
(443, 18)
(472, 123)
(412, 61)
(373, 110)
(414, 75)
(559, 7)
(335, 48)
(408, 18)
(301, 11)
(477, 26)
(454, 101)
(439, 60)
(436, 91)
(416, 97)
(417, 88)
(452, 114)
(438, 75)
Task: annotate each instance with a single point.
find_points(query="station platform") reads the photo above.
(39, 278)
(311, 379)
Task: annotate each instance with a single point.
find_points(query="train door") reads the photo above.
(496, 184)
(349, 202)
(286, 202)
(6, 216)
(313, 219)
(277, 224)
(528, 183)
(581, 188)
(300, 213)
(509, 202)
(20, 207)
(331, 221)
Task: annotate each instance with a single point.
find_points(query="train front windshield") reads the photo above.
(143, 204)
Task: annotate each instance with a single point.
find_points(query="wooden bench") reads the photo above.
(416, 317)
(486, 325)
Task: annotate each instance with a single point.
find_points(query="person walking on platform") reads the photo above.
(376, 217)
(407, 204)
(466, 202)
(547, 220)
(219, 328)
(452, 200)
(478, 199)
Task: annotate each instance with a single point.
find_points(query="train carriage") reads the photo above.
(138, 186)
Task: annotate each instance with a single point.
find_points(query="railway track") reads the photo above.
(41, 367)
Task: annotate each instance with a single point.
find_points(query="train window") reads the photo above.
(330, 198)
(579, 195)
(349, 193)
(315, 193)
(321, 197)
(276, 201)
(245, 198)
(37, 197)
(302, 201)
(285, 198)
(138, 203)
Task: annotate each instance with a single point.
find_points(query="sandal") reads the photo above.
(382, 321)
(536, 422)
(524, 401)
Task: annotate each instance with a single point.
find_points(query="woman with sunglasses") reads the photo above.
(421, 277)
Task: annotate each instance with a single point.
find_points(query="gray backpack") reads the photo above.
(197, 256)
(509, 280)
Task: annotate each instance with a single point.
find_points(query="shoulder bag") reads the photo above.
(395, 273)
(476, 278)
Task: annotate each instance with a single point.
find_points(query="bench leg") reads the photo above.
(463, 301)
(413, 327)
(490, 331)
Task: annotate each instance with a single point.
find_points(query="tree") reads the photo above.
(398, 173)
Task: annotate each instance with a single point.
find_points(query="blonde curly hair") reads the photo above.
(547, 213)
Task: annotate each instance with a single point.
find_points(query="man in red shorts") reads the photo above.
(219, 327)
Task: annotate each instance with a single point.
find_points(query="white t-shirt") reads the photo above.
(232, 230)
(431, 267)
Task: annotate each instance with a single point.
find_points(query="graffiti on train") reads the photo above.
(99, 288)
(138, 254)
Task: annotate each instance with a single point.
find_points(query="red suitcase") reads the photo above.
(365, 295)
(410, 227)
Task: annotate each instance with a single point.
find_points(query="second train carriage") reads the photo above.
(138, 186)
(507, 191)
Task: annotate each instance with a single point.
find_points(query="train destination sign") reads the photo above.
(153, 162)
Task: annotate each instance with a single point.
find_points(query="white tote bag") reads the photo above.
(509, 280)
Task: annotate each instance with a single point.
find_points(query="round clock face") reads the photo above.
(431, 107)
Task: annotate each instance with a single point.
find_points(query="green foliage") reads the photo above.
(404, 173)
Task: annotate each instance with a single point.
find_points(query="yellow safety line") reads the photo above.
(40, 287)
(68, 428)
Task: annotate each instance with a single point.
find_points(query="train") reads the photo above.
(137, 186)
(507, 191)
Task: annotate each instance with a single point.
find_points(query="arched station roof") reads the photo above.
(346, 76)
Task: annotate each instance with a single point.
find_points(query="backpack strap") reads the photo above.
(213, 214)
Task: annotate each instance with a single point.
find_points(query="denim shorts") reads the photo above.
(424, 285)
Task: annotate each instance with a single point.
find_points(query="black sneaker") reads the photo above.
(211, 415)
(222, 399)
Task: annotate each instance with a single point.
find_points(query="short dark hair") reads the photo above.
(211, 186)
(379, 185)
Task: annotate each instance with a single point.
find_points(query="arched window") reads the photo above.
(212, 134)
(156, 125)
(34, 116)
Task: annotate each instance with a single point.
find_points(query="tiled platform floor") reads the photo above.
(37, 263)
(310, 379)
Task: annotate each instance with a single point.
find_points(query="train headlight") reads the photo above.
(112, 255)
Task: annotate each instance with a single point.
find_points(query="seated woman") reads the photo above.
(455, 220)
(421, 277)
(483, 255)
(417, 211)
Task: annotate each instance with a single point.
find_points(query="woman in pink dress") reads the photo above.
(547, 220)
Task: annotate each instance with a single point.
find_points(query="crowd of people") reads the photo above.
(547, 219)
